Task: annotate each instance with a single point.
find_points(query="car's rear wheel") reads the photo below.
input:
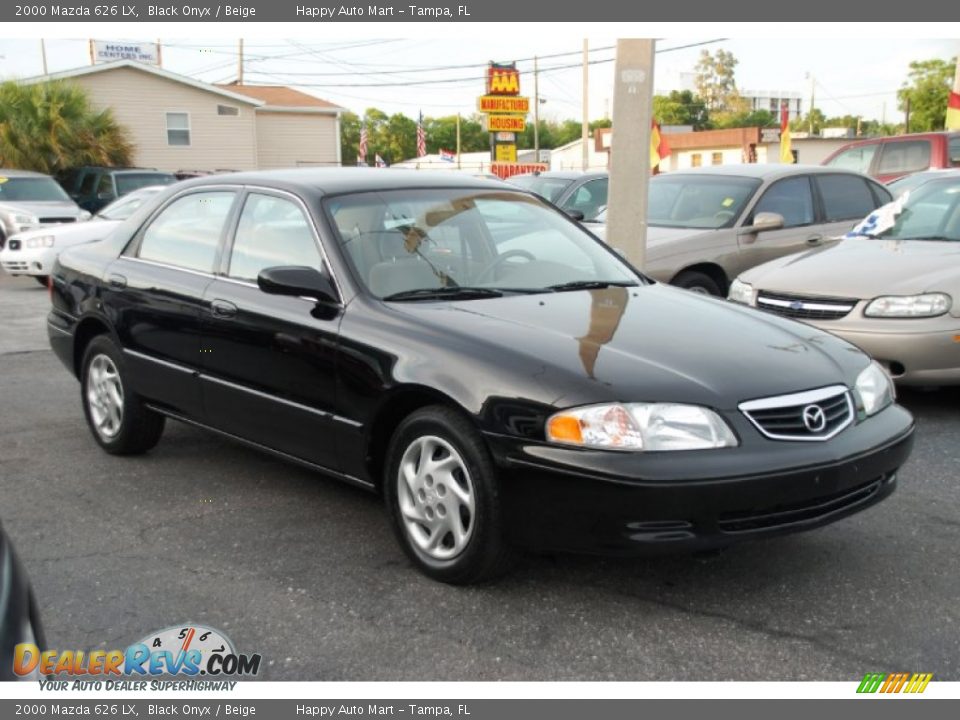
(441, 491)
(120, 422)
(697, 282)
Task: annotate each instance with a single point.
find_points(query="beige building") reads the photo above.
(178, 123)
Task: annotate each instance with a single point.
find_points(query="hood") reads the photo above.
(650, 343)
(55, 208)
(72, 233)
(863, 268)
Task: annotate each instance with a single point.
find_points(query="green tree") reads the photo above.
(681, 107)
(927, 90)
(48, 127)
(442, 134)
(716, 82)
(349, 137)
(815, 117)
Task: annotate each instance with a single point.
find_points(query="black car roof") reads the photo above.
(329, 181)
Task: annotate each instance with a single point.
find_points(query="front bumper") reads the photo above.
(634, 504)
(28, 261)
(915, 351)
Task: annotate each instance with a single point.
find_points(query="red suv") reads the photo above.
(888, 158)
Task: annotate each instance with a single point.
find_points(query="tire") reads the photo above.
(117, 417)
(697, 282)
(42, 279)
(457, 506)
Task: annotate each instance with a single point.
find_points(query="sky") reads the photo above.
(369, 70)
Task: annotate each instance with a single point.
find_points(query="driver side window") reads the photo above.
(272, 231)
(790, 198)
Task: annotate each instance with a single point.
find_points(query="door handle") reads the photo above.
(814, 239)
(116, 281)
(223, 309)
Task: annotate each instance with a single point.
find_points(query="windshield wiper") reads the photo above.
(455, 292)
(590, 285)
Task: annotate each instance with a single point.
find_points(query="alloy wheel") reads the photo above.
(105, 396)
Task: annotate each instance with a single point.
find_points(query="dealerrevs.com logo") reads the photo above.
(888, 683)
(181, 650)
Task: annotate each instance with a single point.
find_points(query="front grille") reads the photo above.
(813, 415)
(56, 220)
(14, 244)
(785, 515)
(805, 308)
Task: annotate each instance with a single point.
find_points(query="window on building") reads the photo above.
(186, 233)
(178, 128)
(696, 160)
(230, 110)
(716, 158)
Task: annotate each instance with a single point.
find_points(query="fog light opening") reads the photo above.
(896, 369)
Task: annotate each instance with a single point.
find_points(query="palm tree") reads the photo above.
(48, 127)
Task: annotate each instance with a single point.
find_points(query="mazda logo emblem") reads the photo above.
(814, 418)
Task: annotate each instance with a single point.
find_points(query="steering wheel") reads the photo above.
(723, 215)
(489, 269)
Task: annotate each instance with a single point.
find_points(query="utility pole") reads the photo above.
(630, 149)
(458, 141)
(159, 54)
(240, 65)
(585, 131)
(810, 114)
(906, 119)
(536, 111)
(43, 54)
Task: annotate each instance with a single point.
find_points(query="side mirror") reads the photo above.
(766, 221)
(298, 281)
(575, 214)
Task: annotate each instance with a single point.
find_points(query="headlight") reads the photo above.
(641, 426)
(43, 241)
(741, 292)
(25, 219)
(909, 306)
(874, 389)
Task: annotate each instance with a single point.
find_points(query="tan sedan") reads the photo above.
(707, 225)
(893, 289)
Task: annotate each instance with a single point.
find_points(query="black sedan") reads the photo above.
(499, 375)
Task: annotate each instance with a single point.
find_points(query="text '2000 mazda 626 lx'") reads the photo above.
(499, 375)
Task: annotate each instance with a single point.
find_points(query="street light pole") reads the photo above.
(536, 111)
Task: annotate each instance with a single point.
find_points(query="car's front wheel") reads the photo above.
(697, 282)
(42, 279)
(443, 498)
(120, 422)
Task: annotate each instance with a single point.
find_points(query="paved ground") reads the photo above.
(305, 571)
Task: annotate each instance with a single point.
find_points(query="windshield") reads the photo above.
(931, 212)
(546, 187)
(490, 242)
(31, 189)
(123, 208)
(698, 201)
(128, 182)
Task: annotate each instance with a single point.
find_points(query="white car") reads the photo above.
(34, 251)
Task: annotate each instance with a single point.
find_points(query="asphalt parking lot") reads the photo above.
(305, 571)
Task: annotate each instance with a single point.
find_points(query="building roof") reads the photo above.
(279, 97)
(150, 69)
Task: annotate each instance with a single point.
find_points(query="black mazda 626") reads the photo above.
(499, 375)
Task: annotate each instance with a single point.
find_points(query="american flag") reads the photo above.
(421, 138)
(379, 161)
(362, 150)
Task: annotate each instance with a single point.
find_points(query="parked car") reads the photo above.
(707, 225)
(476, 356)
(582, 195)
(30, 200)
(908, 183)
(95, 187)
(887, 158)
(892, 288)
(19, 618)
(34, 251)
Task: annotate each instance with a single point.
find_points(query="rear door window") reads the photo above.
(845, 197)
(904, 156)
(856, 158)
(187, 232)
